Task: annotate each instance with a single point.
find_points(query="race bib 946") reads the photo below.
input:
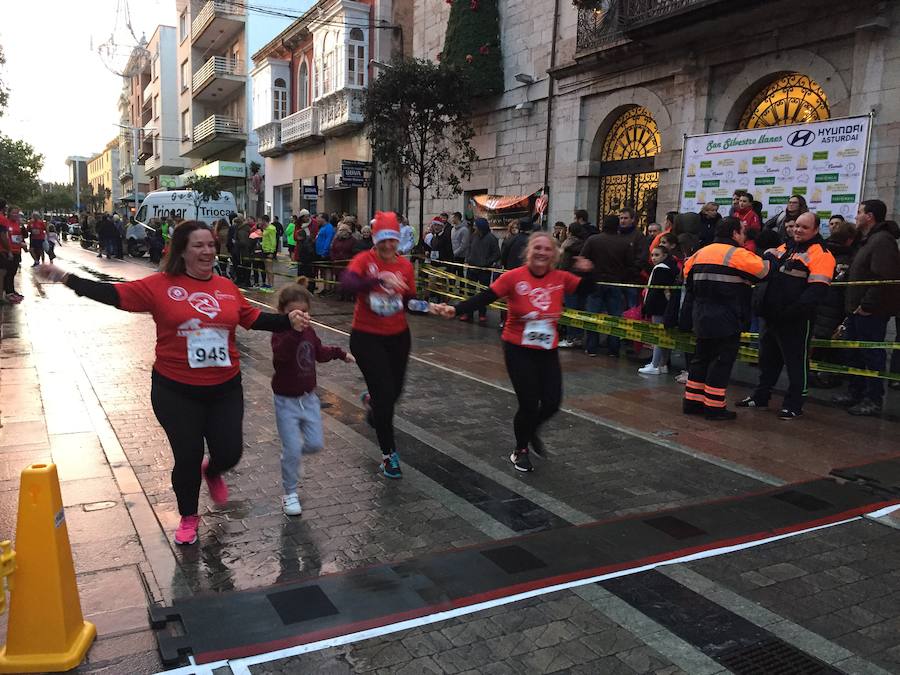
(539, 333)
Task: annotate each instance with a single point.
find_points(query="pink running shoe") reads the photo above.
(187, 530)
(218, 491)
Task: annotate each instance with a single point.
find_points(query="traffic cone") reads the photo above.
(46, 630)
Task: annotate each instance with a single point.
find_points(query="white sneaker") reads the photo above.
(291, 505)
(649, 369)
(566, 344)
(682, 377)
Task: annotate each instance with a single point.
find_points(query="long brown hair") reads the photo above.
(173, 263)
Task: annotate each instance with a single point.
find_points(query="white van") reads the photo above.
(181, 204)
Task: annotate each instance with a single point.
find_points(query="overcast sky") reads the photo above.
(63, 99)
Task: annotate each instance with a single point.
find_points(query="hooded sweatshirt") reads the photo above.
(294, 355)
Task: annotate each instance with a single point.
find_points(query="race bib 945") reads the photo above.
(208, 348)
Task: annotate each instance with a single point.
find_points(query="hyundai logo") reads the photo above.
(801, 138)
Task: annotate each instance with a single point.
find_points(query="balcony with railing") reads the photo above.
(341, 111)
(603, 24)
(152, 164)
(217, 21)
(269, 136)
(147, 94)
(300, 128)
(214, 134)
(218, 79)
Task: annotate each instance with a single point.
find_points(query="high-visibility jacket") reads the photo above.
(718, 280)
(799, 280)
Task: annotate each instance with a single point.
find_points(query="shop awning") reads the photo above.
(502, 202)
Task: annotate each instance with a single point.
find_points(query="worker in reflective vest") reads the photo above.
(718, 283)
(802, 270)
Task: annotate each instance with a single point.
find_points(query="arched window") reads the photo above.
(634, 134)
(279, 99)
(356, 58)
(627, 175)
(303, 87)
(790, 99)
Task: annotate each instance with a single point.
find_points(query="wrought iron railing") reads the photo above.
(598, 27)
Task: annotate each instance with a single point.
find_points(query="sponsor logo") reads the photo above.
(843, 198)
(706, 164)
(801, 138)
(523, 288)
(205, 304)
(820, 155)
(177, 293)
(758, 160)
(764, 180)
(223, 296)
(710, 183)
(826, 177)
(540, 298)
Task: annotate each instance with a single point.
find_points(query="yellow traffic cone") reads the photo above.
(46, 631)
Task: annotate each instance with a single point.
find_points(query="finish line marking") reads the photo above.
(242, 666)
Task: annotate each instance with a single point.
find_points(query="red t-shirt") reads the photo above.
(15, 235)
(195, 322)
(37, 230)
(4, 227)
(381, 311)
(535, 305)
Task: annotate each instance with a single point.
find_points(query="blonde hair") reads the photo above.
(534, 236)
(296, 292)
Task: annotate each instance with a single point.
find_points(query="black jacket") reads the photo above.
(612, 256)
(484, 249)
(798, 281)
(663, 274)
(878, 258)
(831, 311)
(512, 251)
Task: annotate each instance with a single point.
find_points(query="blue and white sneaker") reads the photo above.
(391, 466)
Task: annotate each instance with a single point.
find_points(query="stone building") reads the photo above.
(627, 79)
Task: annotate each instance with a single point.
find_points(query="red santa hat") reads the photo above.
(385, 226)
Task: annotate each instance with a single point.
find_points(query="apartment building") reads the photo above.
(309, 84)
(77, 176)
(103, 175)
(161, 145)
(134, 115)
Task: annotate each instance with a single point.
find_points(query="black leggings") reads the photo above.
(12, 266)
(191, 414)
(382, 360)
(537, 380)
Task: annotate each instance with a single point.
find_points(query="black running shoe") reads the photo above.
(750, 402)
(521, 461)
(785, 414)
(720, 414)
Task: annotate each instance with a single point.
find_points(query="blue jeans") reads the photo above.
(606, 300)
(631, 297)
(299, 422)
(867, 329)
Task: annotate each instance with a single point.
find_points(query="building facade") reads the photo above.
(626, 80)
(160, 144)
(309, 84)
(134, 116)
(103, 176)
(78, 176)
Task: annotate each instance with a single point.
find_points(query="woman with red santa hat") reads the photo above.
(383, 281)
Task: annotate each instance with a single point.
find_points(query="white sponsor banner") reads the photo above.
(823, 161)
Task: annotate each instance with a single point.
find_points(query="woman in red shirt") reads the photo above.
(534, 293)
(196, 381)
(382, 281)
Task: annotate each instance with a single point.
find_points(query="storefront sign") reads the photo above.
(310, 192)
(222, 169)
(355, 173)
(823, 161)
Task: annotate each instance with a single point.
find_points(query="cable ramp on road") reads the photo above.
(389, 597)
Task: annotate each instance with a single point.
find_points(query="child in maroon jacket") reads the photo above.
(298, 413)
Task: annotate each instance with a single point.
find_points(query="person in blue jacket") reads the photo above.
(323, 248)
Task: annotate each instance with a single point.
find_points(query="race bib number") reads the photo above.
(17, 239)
(383, 304)
(539, 333)
(208, 348)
